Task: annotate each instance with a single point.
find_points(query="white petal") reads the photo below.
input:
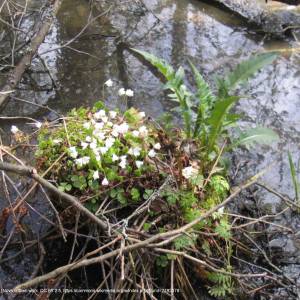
(129, 93)
(157, 146)
(112, 114)
(122, 92)
(14, 129)
(38, 124)
(96, 175)
(105, 181)
(108, 83)
(151, 153)
(139, 163)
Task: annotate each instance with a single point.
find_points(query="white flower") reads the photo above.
(79, 162)
(122, 128)
(88, 139)
(99, 134)
(115, 157)
(98, 157)
(87, 125)
(99, 125)
(142, 114)
(99, 114)
(221, 210)
(108, 83)
(96, 175)
(139, 163)
(143, 130)
(104, 119)
(14, 129)
(151, 153)
(115, 132)
(110, 124)
(122, 92)
(85, 160)
(112, 114)
(109, 142)
(123, 162)
(189, 172)
(57, 141)
(135, 133)
(129, 93)
(38, 124)
(134, 151)
(96, 151)
(73, 152)
(105, 181)
(157, 146)
(103, 150)
(84, 145)
(82, 161)
(93, 145)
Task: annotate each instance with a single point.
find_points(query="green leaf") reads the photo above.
(147, 194)
(135, 194)
(184, 241)
(205, 100)
(259, 135)
(159, 63)
(147, 226)
(218, 116)
(223, 229)
(175, 84)
(294, 176)
(243, 71)
(197, 180)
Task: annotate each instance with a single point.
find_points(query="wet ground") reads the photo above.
(176, 30)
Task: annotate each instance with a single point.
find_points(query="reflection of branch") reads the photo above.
(79, 33)
(25, 62)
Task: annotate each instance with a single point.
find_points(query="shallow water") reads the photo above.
(176, 30)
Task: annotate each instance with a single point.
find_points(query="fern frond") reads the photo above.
(216, 120)
(205, 100)
(244, 71)
(257, 135)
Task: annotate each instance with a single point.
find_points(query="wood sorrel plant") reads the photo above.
(102, 148)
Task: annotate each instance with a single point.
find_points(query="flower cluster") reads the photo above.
(103, 147)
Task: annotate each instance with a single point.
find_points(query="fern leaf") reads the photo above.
(244, 71)
(205, 97)
(204, 92)
(175, 84)
(259, 135)
(216, 121)
(159, 63)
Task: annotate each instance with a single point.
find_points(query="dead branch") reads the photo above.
(17, 73)
(31, 172)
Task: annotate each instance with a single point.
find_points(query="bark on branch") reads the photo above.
(16, 75)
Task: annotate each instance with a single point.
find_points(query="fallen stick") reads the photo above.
(15, 77)
(31, 172)
(140, 244)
